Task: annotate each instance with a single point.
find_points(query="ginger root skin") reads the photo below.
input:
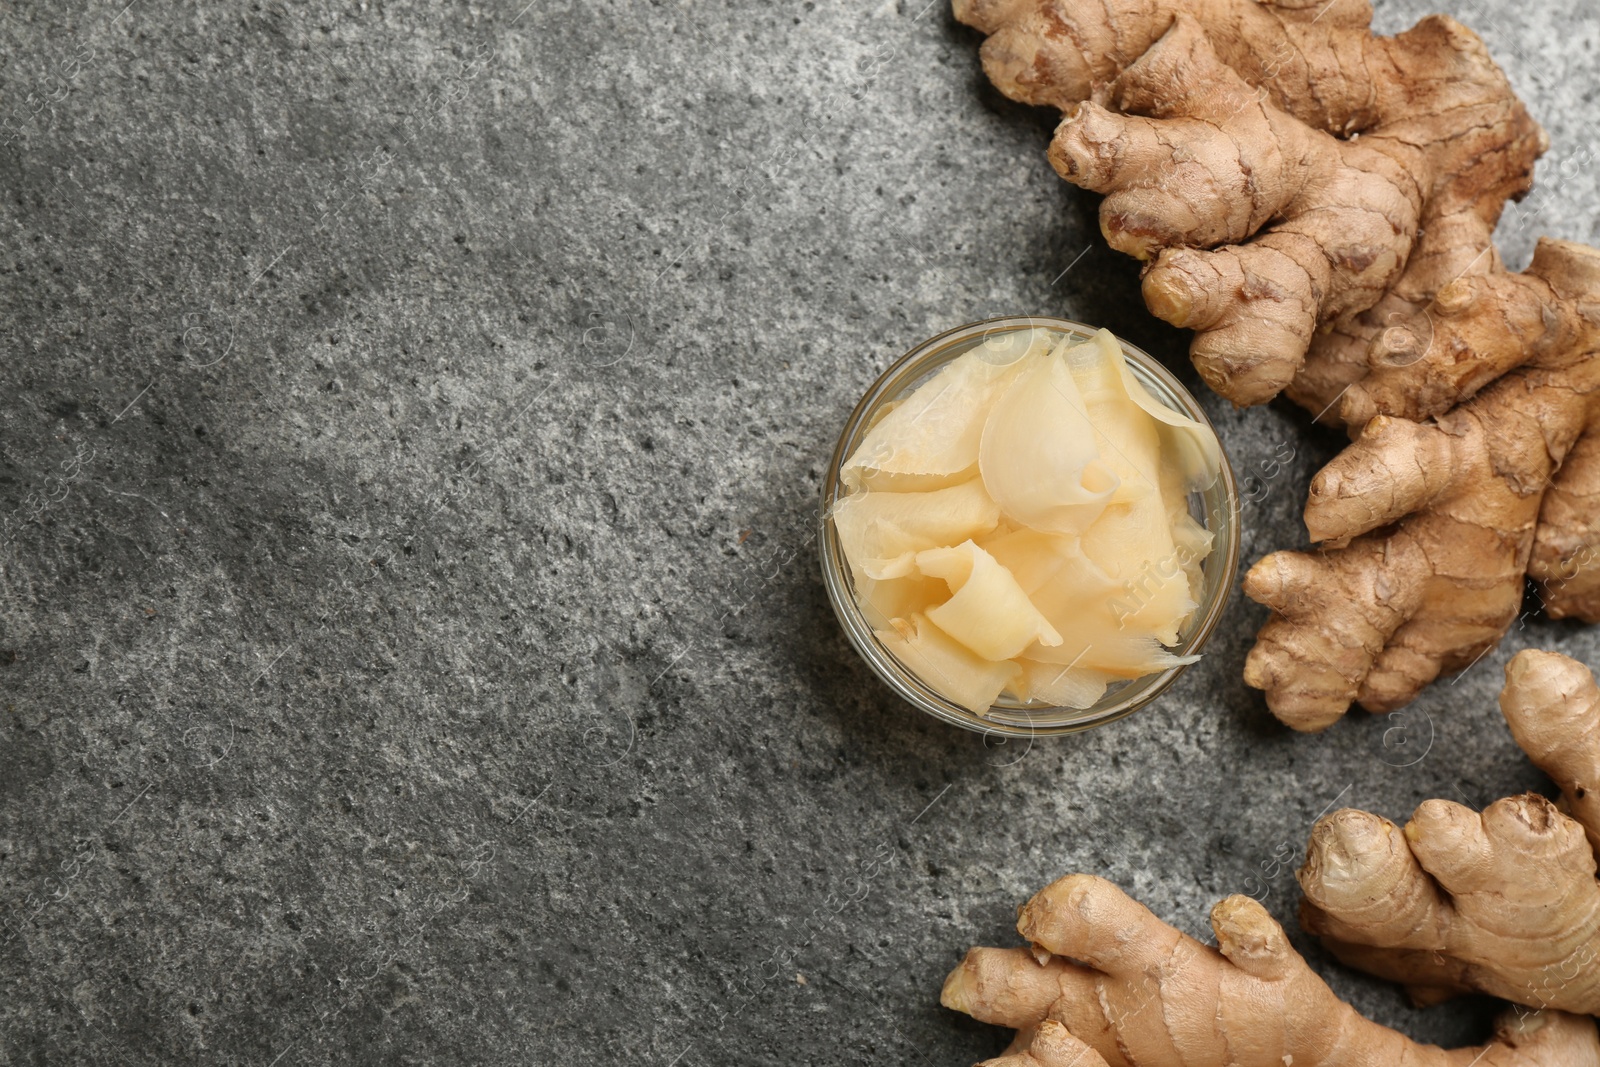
(1105, 981)
(1357, 275)
(1428, 527)
(1451, 903)
(1222, 134)
(1359, 278)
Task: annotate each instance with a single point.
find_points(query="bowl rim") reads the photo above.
(905, 684)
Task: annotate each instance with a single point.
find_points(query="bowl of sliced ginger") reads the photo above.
(1029, 527)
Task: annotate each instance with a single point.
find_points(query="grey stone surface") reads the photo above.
(413, 645)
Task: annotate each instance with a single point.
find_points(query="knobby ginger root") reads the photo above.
(1020, 523)
(1317, 202)
(1504, 902)
(1479, 328)
(1224, 135)
(1104, 981)
(1428, 528)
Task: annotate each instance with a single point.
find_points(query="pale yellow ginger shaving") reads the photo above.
(1019, 523)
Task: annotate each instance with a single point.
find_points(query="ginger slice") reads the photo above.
(1063, 686)
(930, 439)
(1105, 981)
(1093, 615)
(897, 598)
(881, 533)
(988, 611)
(1039, 456)
(951, 668)
(1230, 164)
(1007, 531)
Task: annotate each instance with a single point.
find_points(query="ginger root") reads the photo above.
(1290, 172)
(1504, 902)
(1566, 545)
(1317, 202)
(1428, 528)
(1477, 329)
(1142, 994)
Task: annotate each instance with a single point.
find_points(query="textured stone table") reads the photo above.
(412, 648)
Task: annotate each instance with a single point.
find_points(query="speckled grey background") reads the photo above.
(411, 646)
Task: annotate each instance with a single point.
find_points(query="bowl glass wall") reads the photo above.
(1217, 507)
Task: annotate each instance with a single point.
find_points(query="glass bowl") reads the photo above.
(1217, 507)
